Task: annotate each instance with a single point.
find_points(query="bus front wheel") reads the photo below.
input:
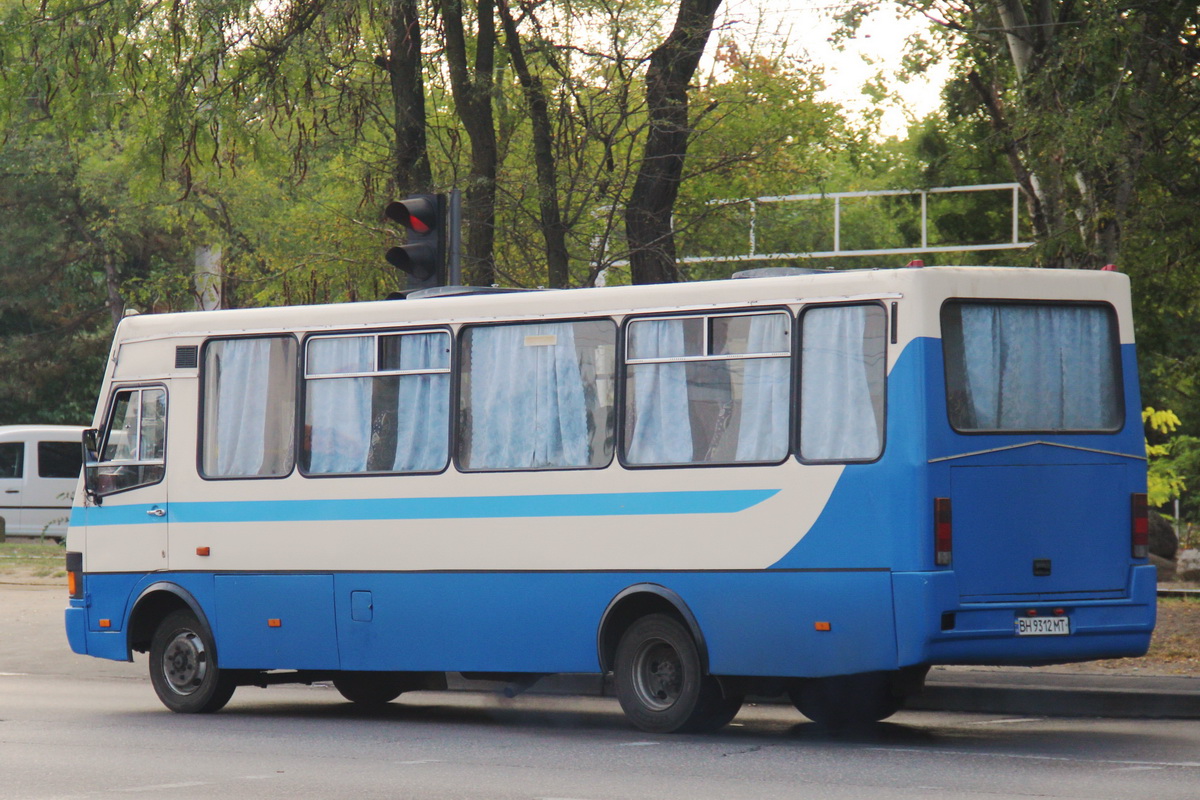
(660, 683)
(183, 666)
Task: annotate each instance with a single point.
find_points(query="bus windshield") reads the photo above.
(1031, 367)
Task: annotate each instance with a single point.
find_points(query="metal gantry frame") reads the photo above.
(837, 251)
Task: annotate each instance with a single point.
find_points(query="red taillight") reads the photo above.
(1141, 526)
(943, 539)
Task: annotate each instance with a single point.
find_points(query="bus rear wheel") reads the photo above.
(183, 666)
(660, 683)
(843, 700)
(372, 688)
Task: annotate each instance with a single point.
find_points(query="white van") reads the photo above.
(39, 467)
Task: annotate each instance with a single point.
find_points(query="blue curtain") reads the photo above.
(423, 407)
(240, 419)
(763, 430)
(1030, 367)
(838, 420)
(662, 430)
(527, 401)
(339, 409)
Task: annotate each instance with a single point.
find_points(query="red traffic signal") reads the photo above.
(423, 258)
(419, 213)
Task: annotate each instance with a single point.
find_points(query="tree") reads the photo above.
(652, 201)
(553, 227)
(1081, 98)
(473, 97)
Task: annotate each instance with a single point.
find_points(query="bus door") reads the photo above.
(127, 513)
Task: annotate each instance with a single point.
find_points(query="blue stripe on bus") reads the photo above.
(729, 501)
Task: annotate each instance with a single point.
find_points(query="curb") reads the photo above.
(1013, 691)
(980, 695)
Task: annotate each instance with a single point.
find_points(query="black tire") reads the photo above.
(844, 700)
(183, 666)
(660, 683)
(372, 688)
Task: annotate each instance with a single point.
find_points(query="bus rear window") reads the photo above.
(1031, 367)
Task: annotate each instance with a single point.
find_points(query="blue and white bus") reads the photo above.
(812, 485)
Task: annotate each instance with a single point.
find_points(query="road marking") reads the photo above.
(160, 786)
(638, 744)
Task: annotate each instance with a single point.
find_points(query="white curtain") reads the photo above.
(1039, 367)
(339, 409)
(662, 430)
(423, 408)
(838, 419)
(241, 407)
(763, 430)
(526, 398)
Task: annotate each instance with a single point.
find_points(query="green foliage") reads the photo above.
(1164, 480)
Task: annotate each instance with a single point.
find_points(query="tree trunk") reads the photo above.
(473, 98)
(410, 162)
(553, 228)
(207, 275)
(652, 202)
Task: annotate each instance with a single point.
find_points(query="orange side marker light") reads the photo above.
(106, 623)
(274, 623)
(823, 626)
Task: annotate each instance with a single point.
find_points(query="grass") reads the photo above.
(32, 559)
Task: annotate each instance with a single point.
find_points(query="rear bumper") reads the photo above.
(934, 626)
(107, 644)
(76, 622)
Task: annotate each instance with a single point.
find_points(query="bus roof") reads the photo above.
(834, 286)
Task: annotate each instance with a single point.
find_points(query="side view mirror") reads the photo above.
(91, 458)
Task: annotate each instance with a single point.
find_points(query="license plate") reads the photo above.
(1043, 626)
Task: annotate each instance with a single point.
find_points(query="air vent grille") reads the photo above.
(186, 356)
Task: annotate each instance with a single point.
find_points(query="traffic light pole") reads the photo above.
(454, 246)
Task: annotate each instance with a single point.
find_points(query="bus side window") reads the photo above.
(537, 396)
(249, 407)
(708, 389)
(377, 403)
(134, 443)
(843, 368)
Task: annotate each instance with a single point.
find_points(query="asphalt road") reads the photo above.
(69, 737)
(77, 727)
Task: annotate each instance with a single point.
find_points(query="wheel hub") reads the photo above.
(185, 662)
(658, 675)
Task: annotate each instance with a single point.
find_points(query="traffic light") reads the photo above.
(423, 258)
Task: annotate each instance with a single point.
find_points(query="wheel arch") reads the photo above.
(637, 601)
(154, 603)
